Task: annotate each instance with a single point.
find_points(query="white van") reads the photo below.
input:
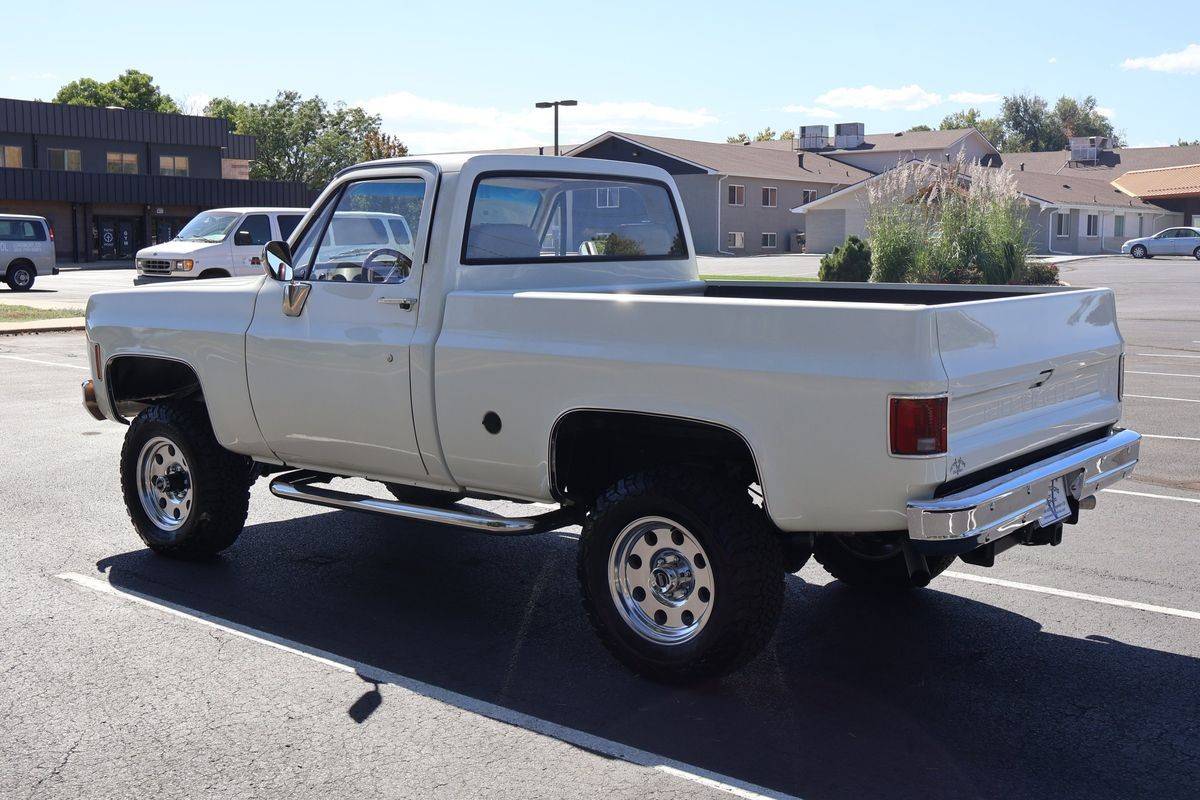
(218, 243)
(26, 250)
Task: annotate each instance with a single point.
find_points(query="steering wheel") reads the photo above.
(403, 262)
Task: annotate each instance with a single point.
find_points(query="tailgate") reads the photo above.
(1027, 372)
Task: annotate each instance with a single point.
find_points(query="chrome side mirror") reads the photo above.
(277, 261)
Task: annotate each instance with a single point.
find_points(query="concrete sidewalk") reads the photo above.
(42, 326)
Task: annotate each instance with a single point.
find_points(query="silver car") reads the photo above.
(1171, 242)
(26, 250)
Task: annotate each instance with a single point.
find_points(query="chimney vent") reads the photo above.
(800, 159)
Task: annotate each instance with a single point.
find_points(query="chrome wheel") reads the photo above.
(661, 580)
(164, 483)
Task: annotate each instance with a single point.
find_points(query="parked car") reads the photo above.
(219, 243)
(26, 250)
(1170, 242)
(547, 338)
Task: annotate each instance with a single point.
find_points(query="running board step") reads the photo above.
(298, 486)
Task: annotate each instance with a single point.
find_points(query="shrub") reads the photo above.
(1038, 273)
(958, 223)
(850, 261)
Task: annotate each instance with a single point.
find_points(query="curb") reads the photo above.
(43, 326)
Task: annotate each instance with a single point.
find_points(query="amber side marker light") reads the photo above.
(917, 425)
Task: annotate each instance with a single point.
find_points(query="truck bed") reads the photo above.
(906, 294)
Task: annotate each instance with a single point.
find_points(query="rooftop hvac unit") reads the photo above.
(849, 134)
(813, 137)
(1088, 148)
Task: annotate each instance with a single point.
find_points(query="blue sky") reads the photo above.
(465, 74)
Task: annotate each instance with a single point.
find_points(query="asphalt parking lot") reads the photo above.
(329, 654)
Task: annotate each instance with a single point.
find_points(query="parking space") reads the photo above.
(339, 654)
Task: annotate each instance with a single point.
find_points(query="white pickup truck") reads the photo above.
(547, 339)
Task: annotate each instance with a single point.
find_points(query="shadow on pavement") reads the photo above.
(928, 695)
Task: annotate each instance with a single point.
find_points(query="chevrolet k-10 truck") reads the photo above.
(547, 339)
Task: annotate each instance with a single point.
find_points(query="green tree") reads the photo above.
(919, 128)
(305, 140)
(741, 138)
(765, 135)
(1079, 117)
(1186, 143)
(992, 128)
(131, 90)
(1029, 124)
(378, 144)
(787, 135)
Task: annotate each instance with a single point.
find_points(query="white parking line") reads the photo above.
(1163, 355)
(1091, 598)
(1167, 374)
(47, 363)
(633, 755)
(1180, 438)
(1155, 496)
(1157, 397)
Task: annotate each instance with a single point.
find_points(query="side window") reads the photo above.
(21, 230)
(287, 224)
(254, 230)
(362, 247)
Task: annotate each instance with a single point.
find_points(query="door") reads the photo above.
(1186, 240)
(1163, 244)
(125, 239)
(251, 233)
(330, 386)
(106, 233)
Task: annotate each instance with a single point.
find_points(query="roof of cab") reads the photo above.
(456, 162)
(5, 215)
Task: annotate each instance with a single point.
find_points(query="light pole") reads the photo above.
(555, 104)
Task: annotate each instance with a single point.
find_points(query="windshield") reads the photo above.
(208, 227)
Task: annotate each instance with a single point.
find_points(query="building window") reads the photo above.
(770, 197)
(63, 160)
(123, 163)
(171, 165)
(735, 240)
(608, 197)
(768, 240)
(1093, 224)
(808, 196)
(737, 195)
(1061, 225)
(1119, 225)
(10, 156)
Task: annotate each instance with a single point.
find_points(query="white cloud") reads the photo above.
(428, 125)
(1186, 61)
(1108, 112)
(875, 98)
(975, 98)
(1052, 60)
(812, 112)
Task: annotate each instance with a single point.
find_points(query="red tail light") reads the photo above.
(51, 229)
(917, 426)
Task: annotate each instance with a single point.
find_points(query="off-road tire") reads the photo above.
(885, 574)
(20, 277)
(220, 479)
(743, 553)
(420, 496)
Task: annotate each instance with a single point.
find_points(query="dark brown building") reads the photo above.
(112, 181)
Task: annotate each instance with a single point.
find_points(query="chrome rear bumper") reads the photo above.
(996, 508)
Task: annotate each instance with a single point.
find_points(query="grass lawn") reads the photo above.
(753, 278)
(29, 313)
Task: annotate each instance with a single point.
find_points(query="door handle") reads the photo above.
(406, 303)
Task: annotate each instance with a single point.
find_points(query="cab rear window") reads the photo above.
(21, 230)
(519, 218)
(359, 230)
